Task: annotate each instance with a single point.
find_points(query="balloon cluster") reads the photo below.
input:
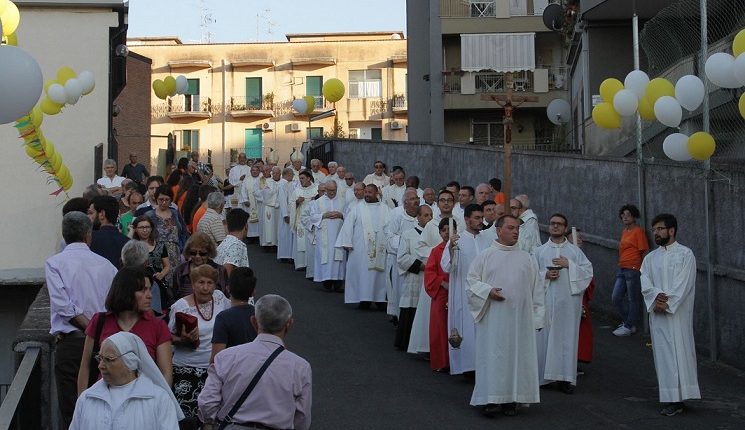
(170, 86)
(305, 105)
(66, 89)
(728, 71)
(42, 151)
(333, 91)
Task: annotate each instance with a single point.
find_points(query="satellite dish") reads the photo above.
(553, 16)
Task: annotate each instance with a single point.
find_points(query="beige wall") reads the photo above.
(31, 228)
(286, 81)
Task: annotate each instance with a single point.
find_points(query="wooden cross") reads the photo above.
(507, 102)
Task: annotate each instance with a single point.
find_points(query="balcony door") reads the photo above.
(253, 143)
(254, 93)
(191, 98)
(314, 88)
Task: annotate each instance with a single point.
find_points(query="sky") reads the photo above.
(236, 20)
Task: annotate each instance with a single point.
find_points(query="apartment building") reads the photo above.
(240, 95)
(462, 56)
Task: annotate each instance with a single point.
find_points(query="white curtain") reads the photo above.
(500, 52)
(518, 7)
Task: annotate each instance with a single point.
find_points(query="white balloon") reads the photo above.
(559, 111)
(56, 93)
(689, 91)
(675, 147)
(625, 102)
(637, 82)
(182, 84)
(668, 111)
(740, 69)
(300, 106)
(21, 85)
(73, 91)
(87, 81)
(720, 69)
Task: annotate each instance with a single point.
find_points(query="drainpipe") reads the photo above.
(224, 115)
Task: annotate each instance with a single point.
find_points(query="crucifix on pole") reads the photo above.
(509, 104)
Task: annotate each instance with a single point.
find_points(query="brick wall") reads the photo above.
(132, 125)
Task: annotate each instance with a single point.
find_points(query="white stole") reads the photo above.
(374, 241)
(338, 252)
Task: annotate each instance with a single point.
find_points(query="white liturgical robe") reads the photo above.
(393, 195)
(530, 235)
(672, 270)
(285, 238)
(329, 260)
(381, 181)
(410, 266)
(258, 195)
(397, 223)
(246, 195)
(270, 194)
(506, 370)
(296, 211)
(557, 342)
(362, 234)
(462, 359)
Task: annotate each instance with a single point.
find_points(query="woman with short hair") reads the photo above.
(200, 249)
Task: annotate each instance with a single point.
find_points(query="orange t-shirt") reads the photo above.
(197, 216)
(631, 248)
(499, 199)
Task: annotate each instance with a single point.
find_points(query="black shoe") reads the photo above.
(490, 410)
(673, 409)
(393, 320)
(566, 387)
(509, 409)
(381, 306)
(327, 286)
(339, 290)
(364, 305)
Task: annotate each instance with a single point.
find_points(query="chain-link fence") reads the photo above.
(671, 42)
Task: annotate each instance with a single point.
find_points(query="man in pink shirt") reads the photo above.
(282, 397)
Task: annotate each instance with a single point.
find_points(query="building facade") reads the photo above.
(464, 55)
(240, 95)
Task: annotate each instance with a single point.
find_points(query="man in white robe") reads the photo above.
(315, 170)
(236, 176)
(393, 195)
(260, 204)
(399, 220)
(565, 273)
(362, 237)
(410, 266)
(297, 159)
(429, 197)
(270, 196)
(505, 297)
(357, 193)
(463, 249)
(247, 202)
(333, 167)
(301, 197)
(530, 235)
(341, 182)
(310, 233)
(430, 238)
(378, 177)
(285, 238)
(327, 218)
(668, 277)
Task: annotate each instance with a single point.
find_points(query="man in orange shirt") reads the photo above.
(627, 295)
(496, 186)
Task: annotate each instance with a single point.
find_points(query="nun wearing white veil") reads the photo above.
(132, 393)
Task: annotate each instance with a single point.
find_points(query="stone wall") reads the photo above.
(589, 191)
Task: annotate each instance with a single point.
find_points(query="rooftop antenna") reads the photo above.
(266, 17)
(205, 21)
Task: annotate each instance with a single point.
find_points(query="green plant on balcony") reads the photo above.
(269, 101)
(336, 131)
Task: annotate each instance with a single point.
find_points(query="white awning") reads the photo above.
(500, 52)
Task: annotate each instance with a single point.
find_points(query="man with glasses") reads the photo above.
(530, 236)
(565, 273)
(668, 278)
(153, 182)
(378, 177)
(393, 194)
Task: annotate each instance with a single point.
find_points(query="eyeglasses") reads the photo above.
(199, 253)
(164, 200)
(144, 227)
(108, 360)
(659, 229)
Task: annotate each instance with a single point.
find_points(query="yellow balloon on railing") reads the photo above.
(701, 146)
(10, 17)
(738, 45)
(311, 101)
(64, 74)
(609, 88)
(657, 88)
(646, 110)
(605, 116)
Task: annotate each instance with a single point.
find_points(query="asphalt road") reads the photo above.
(361, 382)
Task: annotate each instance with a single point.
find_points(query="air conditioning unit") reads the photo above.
(354, 133)
(267, 126)
(395, 125)
(294, 127)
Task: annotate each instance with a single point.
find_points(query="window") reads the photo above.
(191, 98)
(190, 140)
(315, 133)
(253, 143)
(314, 87)
(365, 84)
(254, 95)
(488, 133)
(376, 133)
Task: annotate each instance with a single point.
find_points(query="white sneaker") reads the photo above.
(622, 331)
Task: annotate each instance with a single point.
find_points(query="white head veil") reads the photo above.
(135, 357)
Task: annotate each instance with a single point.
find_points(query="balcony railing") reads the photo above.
(189, 103)
(451, 82)
(493, 82)
(398, 103)
(483, 8)
(251, 103)
(557, 76)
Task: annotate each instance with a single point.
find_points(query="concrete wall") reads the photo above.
(56, 37)
(589, 191)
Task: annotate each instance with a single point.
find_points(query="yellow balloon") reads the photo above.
(64, 74)
(609, 88)
(311, 101)
(37, 116)
(56, 161)
(159, 87)
(333, 90)
(646, 110)
(741, 105)
(701, 146)
(657, 88)
(738, 45)
(49, 150)
(11, 40)
(11, 17)
(3, 5)
(170, 83)
(49, 107)
(32, 152)
(605, 116)
(48, 83)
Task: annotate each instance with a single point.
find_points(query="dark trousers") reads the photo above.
(67, 356)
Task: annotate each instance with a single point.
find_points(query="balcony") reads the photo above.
(399, 105)
(321, 105)
(252, 107)
(477, 16)
(189, 107)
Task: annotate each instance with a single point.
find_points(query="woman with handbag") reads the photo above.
(128, 309)
(160, 261)
(191, 323)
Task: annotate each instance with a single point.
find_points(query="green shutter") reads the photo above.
(253, 93)
(193, 87)
(253, 142)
